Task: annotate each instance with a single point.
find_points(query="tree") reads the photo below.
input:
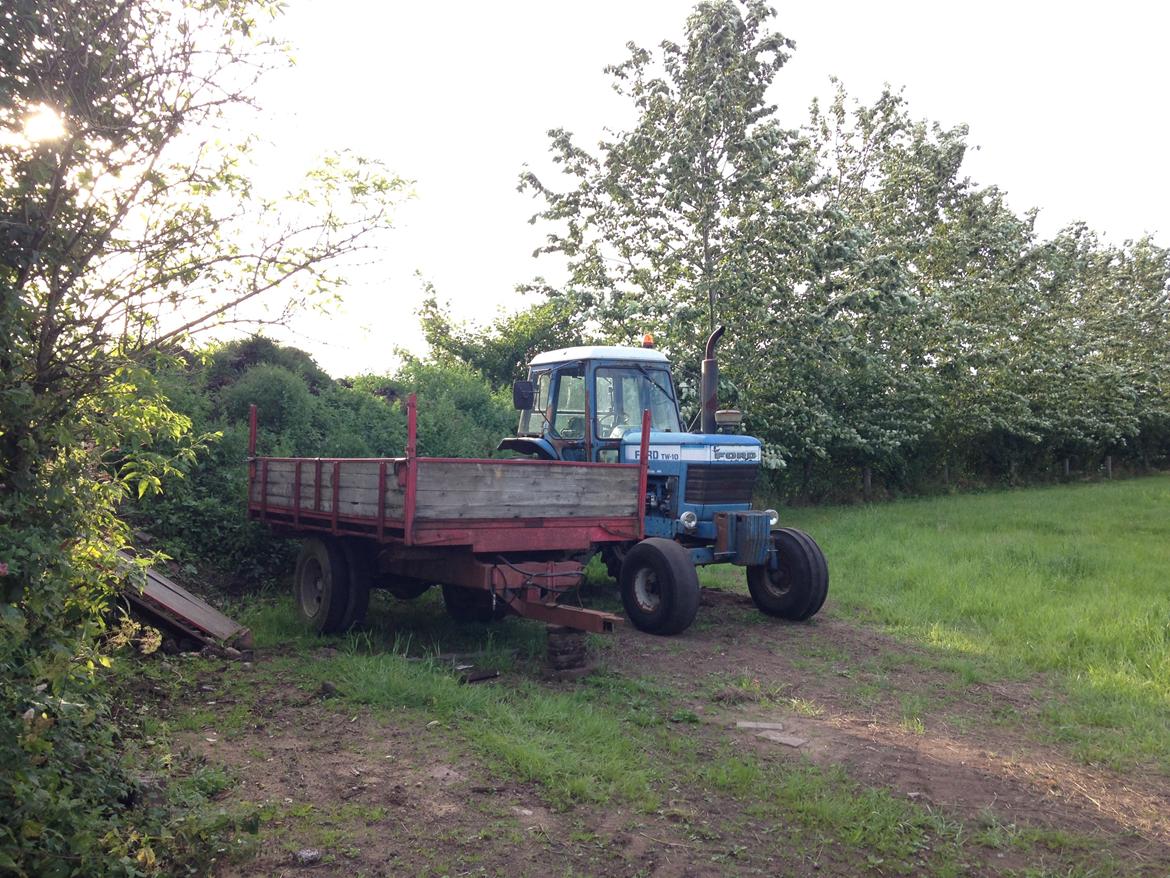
(122, 231)
(502, 350)
(652, 226)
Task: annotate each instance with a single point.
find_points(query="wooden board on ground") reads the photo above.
(167, 599)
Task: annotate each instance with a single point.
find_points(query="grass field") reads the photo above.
(1060, 591)
(1072, 582)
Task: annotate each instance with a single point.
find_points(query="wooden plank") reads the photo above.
(284, 482)
(166, 597)
(521, 510)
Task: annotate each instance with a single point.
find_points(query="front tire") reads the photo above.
(797, 588)
(321, 585)
(660, 588)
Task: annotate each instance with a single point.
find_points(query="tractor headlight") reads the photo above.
(773, 517)
(689, 520)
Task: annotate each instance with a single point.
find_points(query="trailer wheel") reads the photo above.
(404, 588)
(797, 588)
(361, 557)
(659, 585)
(472, 604)
(321, 585)
(613, 556)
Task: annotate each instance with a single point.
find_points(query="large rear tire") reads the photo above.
(660, 588)
(321, 585)
(472, 604)
(797, 588)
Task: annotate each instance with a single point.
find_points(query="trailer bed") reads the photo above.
(483, 505)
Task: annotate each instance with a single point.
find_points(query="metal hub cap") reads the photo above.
(779, 581)
(312, 589)
(646, 590)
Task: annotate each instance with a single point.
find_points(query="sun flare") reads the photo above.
(43, 123)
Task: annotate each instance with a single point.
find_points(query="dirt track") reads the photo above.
(383, 799)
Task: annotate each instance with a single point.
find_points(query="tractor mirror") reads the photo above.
(523, 395)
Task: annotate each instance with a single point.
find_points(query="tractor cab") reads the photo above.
(579, 402)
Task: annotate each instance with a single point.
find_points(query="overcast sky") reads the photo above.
(1065, 103)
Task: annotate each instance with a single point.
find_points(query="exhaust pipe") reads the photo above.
(709, 384)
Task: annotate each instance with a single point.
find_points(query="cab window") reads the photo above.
(532, 420)
(569, 420)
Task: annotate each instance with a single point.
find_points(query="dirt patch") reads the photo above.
(377, 794)
(366, 796)
(806, 677)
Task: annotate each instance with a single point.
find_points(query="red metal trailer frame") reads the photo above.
(471, 553)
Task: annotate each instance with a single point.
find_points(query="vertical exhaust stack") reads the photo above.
(709, 384)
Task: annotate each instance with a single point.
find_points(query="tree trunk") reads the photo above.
(1108, 466)
(947, 473)
(1012, 467)
(867, 482)
(1067, 468)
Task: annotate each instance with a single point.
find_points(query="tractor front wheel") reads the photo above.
(659, 585)
(797, 588)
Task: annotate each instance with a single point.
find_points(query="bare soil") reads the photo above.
(376, 796)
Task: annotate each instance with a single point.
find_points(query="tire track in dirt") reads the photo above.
(988, 771)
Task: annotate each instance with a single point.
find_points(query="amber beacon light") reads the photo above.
(647, 340)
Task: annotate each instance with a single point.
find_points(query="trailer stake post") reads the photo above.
(411, 469)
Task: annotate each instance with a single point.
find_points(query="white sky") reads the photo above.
(1065, 103)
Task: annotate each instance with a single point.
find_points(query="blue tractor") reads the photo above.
(587, 403)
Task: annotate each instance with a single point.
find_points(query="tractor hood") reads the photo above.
(668, 448)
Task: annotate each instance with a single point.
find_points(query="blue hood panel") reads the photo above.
(675, 448)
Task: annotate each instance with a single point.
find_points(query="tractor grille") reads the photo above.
(721, 483)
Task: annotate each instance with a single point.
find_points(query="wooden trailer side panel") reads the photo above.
(482, 489)
(357, 486)
(450, 490)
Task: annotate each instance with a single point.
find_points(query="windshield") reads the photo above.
(623, 393)
(532, 420)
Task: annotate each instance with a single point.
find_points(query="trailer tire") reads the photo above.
(405, 588)
(797, 589)
(321, 585)
(472, 604)
(613, 556)
(362, 559)
(659, 586)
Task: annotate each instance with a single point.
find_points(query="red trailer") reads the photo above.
(498, 535)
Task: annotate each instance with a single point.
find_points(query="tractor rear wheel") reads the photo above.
(472, 604)
(659, 585)
(321, 585)
(797, 588)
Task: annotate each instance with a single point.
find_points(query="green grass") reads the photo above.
(1064, 588)
(612, 739)
(1069, 582)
